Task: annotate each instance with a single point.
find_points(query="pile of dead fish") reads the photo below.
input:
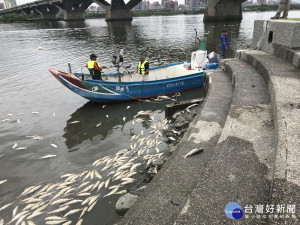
(74, 195)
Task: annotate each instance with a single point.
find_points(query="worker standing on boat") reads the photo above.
(143, 66)
(95, 68)
(224, 45)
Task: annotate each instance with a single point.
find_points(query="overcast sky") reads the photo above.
(19, 2)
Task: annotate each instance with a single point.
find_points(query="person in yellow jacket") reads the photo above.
(143, 67)
(95, 68)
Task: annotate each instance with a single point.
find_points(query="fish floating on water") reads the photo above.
(35, 112)
(48, 156)
(124, 118)
(2, 181)
(5, 120)
(76, 121)
(54, 145)
(14, 146)
(99, 124)
(18, 121)
(21, 148)
(53, 114)
(128, 107)
(193, 152)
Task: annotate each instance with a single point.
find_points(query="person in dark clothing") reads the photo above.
(224, 45)
(94, 68)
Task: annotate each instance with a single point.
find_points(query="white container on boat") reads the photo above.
(186, 65)
(198, 60)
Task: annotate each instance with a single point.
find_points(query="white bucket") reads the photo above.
(198, 60)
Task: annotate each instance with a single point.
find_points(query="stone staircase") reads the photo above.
(249, 127)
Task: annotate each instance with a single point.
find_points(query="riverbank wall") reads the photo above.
(249, 129)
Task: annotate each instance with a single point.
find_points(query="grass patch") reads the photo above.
(297, 19)
(8, 18)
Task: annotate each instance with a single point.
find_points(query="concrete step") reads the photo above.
(240, 168)
(168, 192)
(283, 81)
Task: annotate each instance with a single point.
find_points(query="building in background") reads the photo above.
(171, 5)
(9, 4)
(194, 4)
(262, 2)
(155, 6)
(142, 6)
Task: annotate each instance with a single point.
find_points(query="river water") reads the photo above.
(27, 87)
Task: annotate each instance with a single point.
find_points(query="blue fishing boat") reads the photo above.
(161, 80)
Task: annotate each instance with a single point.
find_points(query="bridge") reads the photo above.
(117, 9)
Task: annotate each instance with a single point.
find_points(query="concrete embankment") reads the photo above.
(249, 129)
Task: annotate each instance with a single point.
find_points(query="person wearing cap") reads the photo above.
(143, 67)
(224, 45)
(95, 68)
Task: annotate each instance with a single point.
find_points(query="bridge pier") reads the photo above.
(223, 10)
(73, 10)
(117, 10)
(47, 12)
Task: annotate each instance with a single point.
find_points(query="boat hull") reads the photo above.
(107, 91)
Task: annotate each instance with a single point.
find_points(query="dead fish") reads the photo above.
(83, 212)
(107, 183)
(15, 212)
(163, 97)
(100, 186)
(18, 121)
(112, 192)
(48, 156)
(98, 175)
(2, 155)
(34, 215)
(37, 138)
(21, 148)
(53, 222)
(124, 118)
(76, 121)
(15, 145)
(35, 112)
(55, 218)
(107, 116)
(121, 192)
(103, 106)
(60, 209)
(73, 211)
(1, 222)
(92, 206)
(54, 145)
(72, 202)
(53, 114)
(9, 114)
(5, 206)
(128, 107)
(193, 152)
(191, 106)
(5, 120)
(99, 124)
(172, 139)
(79, 222)
(67, 223)
(83, 194)
(30, 222)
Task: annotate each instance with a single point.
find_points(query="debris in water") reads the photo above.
(35, 112)
(41, 48)
(21, 148)
(107, 116)
(124, 118)
(54, 145)
(54, 114)
(103, 106)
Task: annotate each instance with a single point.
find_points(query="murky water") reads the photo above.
(27, 86)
